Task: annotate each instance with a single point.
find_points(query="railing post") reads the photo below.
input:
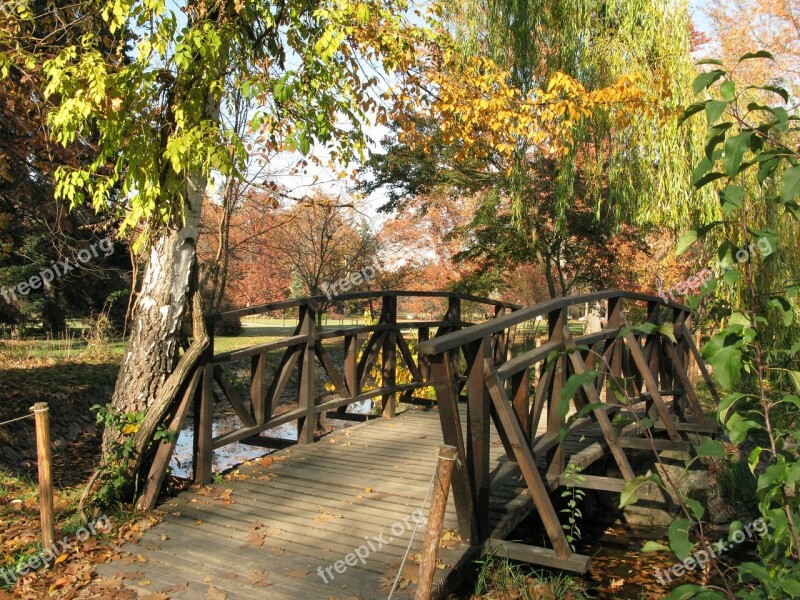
(478, 402)
(41, 412)
(351, 364)
(204, 414)
(389, 356)
(556, 322)
(614, 321)
(652, 351)
(258, 374)
(306, 376)
(454, 316)
(424, 362)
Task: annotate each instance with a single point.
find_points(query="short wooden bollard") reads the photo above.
(430, 549)
(42, 415)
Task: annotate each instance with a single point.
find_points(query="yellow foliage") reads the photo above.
(482, 113)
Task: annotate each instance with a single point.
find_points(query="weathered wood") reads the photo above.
(478, 435)
(588, 482)
(232, 396)
(204, 416)
(520, 398)
(602, 418)
(526, 463)
(330, 370)
(258, 386)
(306, 377)
(556, 323)
(644, 369)
(463, 493)
(389, 357)
(535, 555)
(41, 412)
(160, 464)
(430, 548)
(680, 372)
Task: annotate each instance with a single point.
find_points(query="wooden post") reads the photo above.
(204, 415)
(441, 489)
(389, 356)
(306, 376)
(42, 416)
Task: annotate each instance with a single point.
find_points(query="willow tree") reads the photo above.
(603, 83)
(155, 109)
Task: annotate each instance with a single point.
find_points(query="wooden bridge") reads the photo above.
(333, 519)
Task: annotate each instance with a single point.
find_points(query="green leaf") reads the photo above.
(679, 538)
(686, 241)
(711, 448)
(692, 235)
(728, 89)
(575, 382)
(708, 178)
(709, 61)
(714, 110)
(754, 458)
(704, 80)
(731, 276)
(724, 352)
(790, 184)
(735, 148)
(791, 587)
(691, 110)
(651, 546)
(629, 492)
(738, 429)
(776, 90)
(759, 54)
(795, 377)
(731, 198)
(696, 507)
(684, 592)
(784, 308)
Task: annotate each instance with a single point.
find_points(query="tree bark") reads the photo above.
(152, 350)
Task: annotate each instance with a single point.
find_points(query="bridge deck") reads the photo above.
(267, 532)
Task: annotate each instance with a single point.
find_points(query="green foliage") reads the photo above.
(499, 577)
(113, 480)
(574, 496)
(751, 158)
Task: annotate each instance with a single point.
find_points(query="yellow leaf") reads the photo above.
(61, 558)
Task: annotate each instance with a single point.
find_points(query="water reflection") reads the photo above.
(225, 420)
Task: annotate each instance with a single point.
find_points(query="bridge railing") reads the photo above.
(518, 386)
(382, 346)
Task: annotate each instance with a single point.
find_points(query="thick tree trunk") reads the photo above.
(152, 350)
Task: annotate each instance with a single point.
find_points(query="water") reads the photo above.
(229, 456)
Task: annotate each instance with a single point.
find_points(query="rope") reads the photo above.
(17, 419)
(416, 525)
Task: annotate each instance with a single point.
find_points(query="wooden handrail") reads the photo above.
(492, 326)
(317, 300)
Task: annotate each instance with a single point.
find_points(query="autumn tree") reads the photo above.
(322, 242)
(36, 229)
(156, 113)
(560, 100)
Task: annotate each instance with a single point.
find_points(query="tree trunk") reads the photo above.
(152, 350)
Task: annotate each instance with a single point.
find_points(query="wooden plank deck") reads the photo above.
(272, 530)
